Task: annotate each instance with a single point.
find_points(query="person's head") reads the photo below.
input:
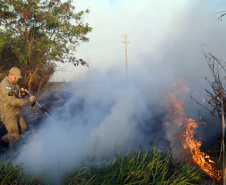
(14, 74)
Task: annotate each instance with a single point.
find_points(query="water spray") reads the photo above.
(36, 102)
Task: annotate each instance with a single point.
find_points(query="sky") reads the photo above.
(164, 37)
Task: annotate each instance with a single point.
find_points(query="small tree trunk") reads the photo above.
(30, 78)
(29, 84)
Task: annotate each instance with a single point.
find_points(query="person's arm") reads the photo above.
(8, 94)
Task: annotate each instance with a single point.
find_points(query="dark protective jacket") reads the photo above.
(10, 99)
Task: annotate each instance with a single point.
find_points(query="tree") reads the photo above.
(43, 31)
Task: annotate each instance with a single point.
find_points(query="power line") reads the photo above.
(132, 34)
(101, 42)
(154, 29)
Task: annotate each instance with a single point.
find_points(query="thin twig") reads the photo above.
(204, 107)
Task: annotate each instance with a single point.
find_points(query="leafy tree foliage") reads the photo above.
(40, 32)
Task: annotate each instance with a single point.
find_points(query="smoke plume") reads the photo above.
(95, 118)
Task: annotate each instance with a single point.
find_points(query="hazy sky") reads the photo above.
(165, 37)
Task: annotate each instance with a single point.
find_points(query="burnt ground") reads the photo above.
(33, 115)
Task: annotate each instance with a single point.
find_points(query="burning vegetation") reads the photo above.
(200, 158)
(181, 133)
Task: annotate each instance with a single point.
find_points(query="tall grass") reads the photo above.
(151, 167)
(142, 168)
(12, 173)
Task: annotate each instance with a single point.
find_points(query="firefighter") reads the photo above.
(11, 102)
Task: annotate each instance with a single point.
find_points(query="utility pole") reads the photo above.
(126, 50)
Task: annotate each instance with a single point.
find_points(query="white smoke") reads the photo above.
(103, 115)
(95, 118)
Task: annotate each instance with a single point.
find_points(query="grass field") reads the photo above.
(144, 168)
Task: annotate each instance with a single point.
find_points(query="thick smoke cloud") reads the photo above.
(96, 118)
(180, 53)
(100, 116)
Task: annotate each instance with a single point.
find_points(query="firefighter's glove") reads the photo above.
(23, 92)
(32, 99)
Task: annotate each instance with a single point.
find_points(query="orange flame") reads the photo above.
(200, 158)
(178, 126)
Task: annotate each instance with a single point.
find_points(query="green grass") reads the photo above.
(12, 173)
(142, 168)
(151, 167)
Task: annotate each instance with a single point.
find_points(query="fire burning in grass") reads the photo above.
(200, 158)
(181, 130)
